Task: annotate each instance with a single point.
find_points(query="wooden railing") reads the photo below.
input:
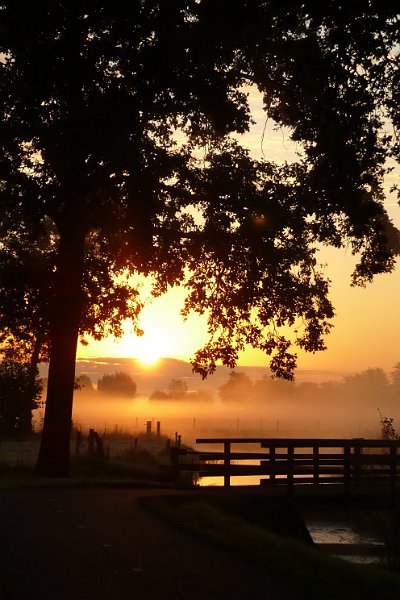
(292, 461)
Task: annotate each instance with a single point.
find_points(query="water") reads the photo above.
(342, 538)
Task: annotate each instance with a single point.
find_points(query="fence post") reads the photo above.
(393, 465)
(174, 456)
(227, 462)
(316, 465)
(272, 451)
(91, 442)
(347, 468)
(357, 462)
(290, 469)
(78, 442)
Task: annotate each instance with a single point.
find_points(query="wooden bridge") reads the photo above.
(291, 462)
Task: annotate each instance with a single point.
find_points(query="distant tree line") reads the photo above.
(119, 383)
(371, 387)
(116, 384)
(21, 394)
(178, 390)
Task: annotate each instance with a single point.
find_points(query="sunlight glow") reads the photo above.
(165, 334)
(149, 358)
(149, 348)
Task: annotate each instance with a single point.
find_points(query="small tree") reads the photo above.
(237, 389)
(177, 389)
(83, 382)
(268, 389)
(158, 395)
(119, 383)
(388, 432)
(18, 398)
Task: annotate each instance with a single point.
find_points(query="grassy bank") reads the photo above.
(272, 536)
(141, 472)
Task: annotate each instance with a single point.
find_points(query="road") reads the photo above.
(100, 544)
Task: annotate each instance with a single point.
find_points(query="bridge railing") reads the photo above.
(294, 461)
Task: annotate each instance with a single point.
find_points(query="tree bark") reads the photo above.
(53, 459)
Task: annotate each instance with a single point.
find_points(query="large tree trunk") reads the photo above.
(53, 459)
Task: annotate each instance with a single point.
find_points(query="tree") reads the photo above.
(17, 399)
(92, 99)
(159, 395)
(395, 376)
(25, 267)
(26, 263)
(177, 389)
(237, 389)
(118, 384)
(200, 396)
(269, 390)
(388, 431)
(83, 382)
(367, 386)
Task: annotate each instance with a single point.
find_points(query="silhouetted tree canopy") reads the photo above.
(18, 398)
(118, 384)
(26, 264)
(105, 107)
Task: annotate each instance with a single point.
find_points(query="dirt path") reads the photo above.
(101, 545)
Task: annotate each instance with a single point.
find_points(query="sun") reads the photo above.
(148, 356)
(149, 348)
(165, 334)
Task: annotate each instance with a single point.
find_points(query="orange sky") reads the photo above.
(366, 327)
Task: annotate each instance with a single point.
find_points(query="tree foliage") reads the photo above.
(388, 431)
(158, 395)
(104, 109)
(18, 398)
(84, 383)
(117, 384)
(177, 389)
(395, 376)
(238, 388)
(26, 264)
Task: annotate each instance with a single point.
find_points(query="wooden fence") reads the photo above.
(295, 461)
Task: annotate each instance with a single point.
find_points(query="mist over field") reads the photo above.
(243, 403)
